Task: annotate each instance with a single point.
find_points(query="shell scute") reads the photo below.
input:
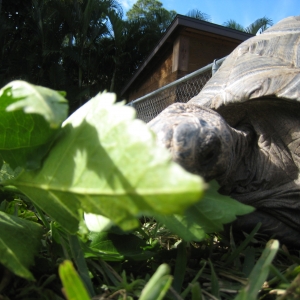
(267, 65)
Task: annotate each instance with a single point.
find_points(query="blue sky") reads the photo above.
(242, 11)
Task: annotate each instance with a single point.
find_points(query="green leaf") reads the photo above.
(217, 210)
(34, 99)
(30, 118)
(259, 273)
(185, 228)
(108, 164)
(116, 247)
(73, 286)
(19, 242)
(206, 216)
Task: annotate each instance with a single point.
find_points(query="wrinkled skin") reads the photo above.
(199, 139)
(255, 159)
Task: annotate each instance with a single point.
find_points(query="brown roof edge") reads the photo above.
(181, 20)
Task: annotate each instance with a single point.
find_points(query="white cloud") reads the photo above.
(127, 4)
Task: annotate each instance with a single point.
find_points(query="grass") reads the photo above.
(217, 268)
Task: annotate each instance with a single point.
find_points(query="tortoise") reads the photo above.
(243, 130)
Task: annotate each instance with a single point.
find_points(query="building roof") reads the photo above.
(179, 22)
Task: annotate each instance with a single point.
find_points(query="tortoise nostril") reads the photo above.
(207, 158)
(209, 155)
(209, 146)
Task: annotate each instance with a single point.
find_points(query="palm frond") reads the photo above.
(234, 25)
(259, 25)
(197, 14)
(115, 25)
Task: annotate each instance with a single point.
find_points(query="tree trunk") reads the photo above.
(112, 83)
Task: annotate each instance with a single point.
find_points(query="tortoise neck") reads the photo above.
(239, 161)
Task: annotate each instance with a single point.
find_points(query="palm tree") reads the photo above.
(197, 14)
(80, 46)
(116, 32)
(258, 26)
(85, 24)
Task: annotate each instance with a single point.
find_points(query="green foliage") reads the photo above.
(73, 286)
(19, 242)
(151, 12)
(197, 14)
(103, 161)
(31, 116)
(206, 216)
(119, 246)
(258, 26)
(36, 100)
(259, 273)
(234, 25)
(95, 165)
(82, 47)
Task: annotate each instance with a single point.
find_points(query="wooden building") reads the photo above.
(187, 45)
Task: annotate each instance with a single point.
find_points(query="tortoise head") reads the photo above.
(198, 138)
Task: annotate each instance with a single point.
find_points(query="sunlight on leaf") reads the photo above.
(34, 99)
(97, 223)
(30, 118)
(107, 163)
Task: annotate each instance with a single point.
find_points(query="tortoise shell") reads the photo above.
(243, 129)
(263, 66)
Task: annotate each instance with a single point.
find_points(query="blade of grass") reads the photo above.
(80, 262)
(242, 246)
(293, 291)
(172, 294)
(188, 289)
(180, 266)
(196, 291)
(215, 289)
(212, 297)
(279, 276)
(110, 273)
(73, 286)
(249, 261)
(158, 285)
(259, 273)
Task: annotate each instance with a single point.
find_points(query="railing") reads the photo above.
(181, 90)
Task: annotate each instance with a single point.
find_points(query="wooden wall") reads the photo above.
(191, 50)
(204, 49)
(159, 75)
